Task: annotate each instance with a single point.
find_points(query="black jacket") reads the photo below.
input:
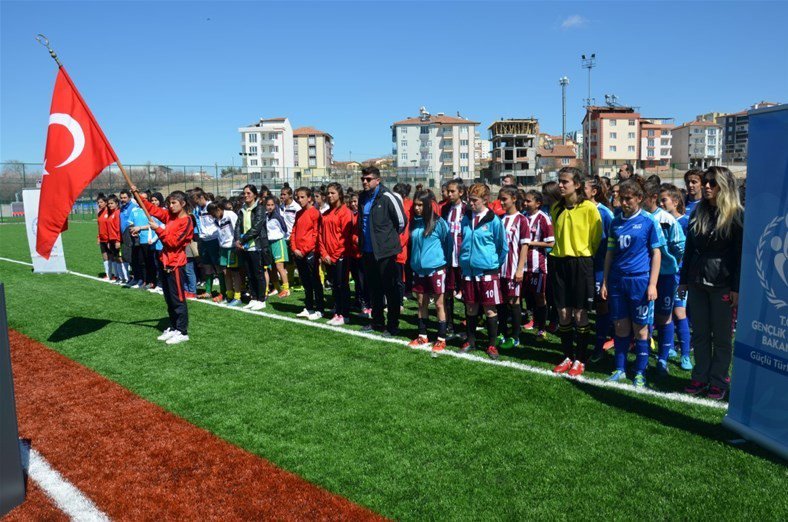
(387, 221)
(258, 232)
(711, 260)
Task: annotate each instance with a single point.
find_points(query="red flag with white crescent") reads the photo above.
(76, 152)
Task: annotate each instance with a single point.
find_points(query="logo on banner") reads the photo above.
(772, 252)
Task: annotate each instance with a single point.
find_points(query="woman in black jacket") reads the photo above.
(712, 263)
(251, 240)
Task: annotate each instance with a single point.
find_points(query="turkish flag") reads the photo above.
(76, 152)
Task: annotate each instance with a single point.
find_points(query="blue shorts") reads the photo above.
(628, 299)
(680, 301)
(666, 295)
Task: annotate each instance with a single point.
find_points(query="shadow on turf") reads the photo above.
(672, 418)
(78, 326)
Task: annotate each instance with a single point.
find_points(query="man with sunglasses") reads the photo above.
(382, 220)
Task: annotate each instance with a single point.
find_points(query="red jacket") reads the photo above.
(336, 233)
(175, 234)
(113, 226)
(304, 235)
(103, 225)
(404, 238)
(354, 251)
(497, 208)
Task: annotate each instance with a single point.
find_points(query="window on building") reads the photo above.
(253, 162)
(312, 162)
(463, 155)
(712, 132)
(664, 152)
(631, 148)
(425, 129)
(631, 123)
(631, 135)
(253, 149)
(612, 123)
(664, 141)
(665, 132)
(429, 155)
(271, 135)
(311, 140)
(312, 151)
(404, 143)
(252, 138)
(564, 161)
(650, 153)
(650, 133)
(650, 143)
(403, 156)
(613, 135)
(612, 148)
(463, 169)
(274, 162)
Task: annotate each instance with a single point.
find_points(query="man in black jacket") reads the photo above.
(382, 219)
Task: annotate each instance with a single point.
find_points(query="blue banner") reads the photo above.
(759, 385)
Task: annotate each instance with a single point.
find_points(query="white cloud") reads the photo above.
(573, 21)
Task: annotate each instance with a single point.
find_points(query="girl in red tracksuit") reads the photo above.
(336, 231)
(356, 266)
(102, 219)
(113, 239)
(175, 232)
(303, 243)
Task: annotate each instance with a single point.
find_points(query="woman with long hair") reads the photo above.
(711, 268)
(335, 235)
(251, 241)
(102, 219)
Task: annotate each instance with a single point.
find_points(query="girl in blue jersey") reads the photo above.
(482, 252)
(672, 201)
(630, 279)
(671, 252)
(430, 251)
(596, 191)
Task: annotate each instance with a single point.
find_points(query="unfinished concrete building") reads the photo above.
(514, 144)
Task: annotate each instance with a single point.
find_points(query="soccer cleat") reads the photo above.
(177, 338)
(283, 294)
(219, 299)
(696, 387)
(686, 363)
(577, 369)
(662, 368)
(337, 320)
(388, 334)
(564, 366)
(609, 345)
(248, 305)
(596, 356)
(273, 293)
(529, 325)
(314, 316)
(467, 347)
(616, 376)
(438, 346)
(234, 303)
(203, 295)
(672, 354)
(510, 343)
(639, 381)
(541, 334)
(257, 306)
(189, 295)
(500, 340)
(166, 334)
(716, 393)
(303, 313)
(419, 341)
(368, 312)
(492, 351)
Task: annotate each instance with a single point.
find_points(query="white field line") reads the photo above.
(671, 396)
(63, 493)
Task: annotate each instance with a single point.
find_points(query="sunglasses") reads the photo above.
(712, 182)
(367, 178)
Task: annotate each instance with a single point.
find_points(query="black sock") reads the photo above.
(540, 317)
(582, 338)
(492, 329)
(422, 325)
(517, 316)
(566, 333)
(503, 318)
(442, 330)
(470, 328)
(448, 304)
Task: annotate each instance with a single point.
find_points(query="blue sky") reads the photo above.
(170, 82)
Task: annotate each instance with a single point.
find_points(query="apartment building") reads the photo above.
(553, 158)
(435, 147)
(696, 144)
(735, 129)
(655, 144)
(514, 145)
(611, 135)
(313, 152)
(267, 149)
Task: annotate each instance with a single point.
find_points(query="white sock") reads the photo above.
(106, 268)
(124, 271)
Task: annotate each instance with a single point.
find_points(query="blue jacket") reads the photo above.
(484, 248)
(125, 215)
(428, 254)
(137, 218)
(673, 249)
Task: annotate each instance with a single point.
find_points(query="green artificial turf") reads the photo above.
(409, 436)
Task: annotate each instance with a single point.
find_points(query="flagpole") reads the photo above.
(43, 40)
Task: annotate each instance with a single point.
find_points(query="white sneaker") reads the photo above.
(166, 334)
(314, 316)
(273, 293)
(258, 305)
(336, 320)
(249, 305)
(177, 338)
(303, 313)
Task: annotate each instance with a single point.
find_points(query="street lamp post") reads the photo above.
(564, 81)
(588, 63)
